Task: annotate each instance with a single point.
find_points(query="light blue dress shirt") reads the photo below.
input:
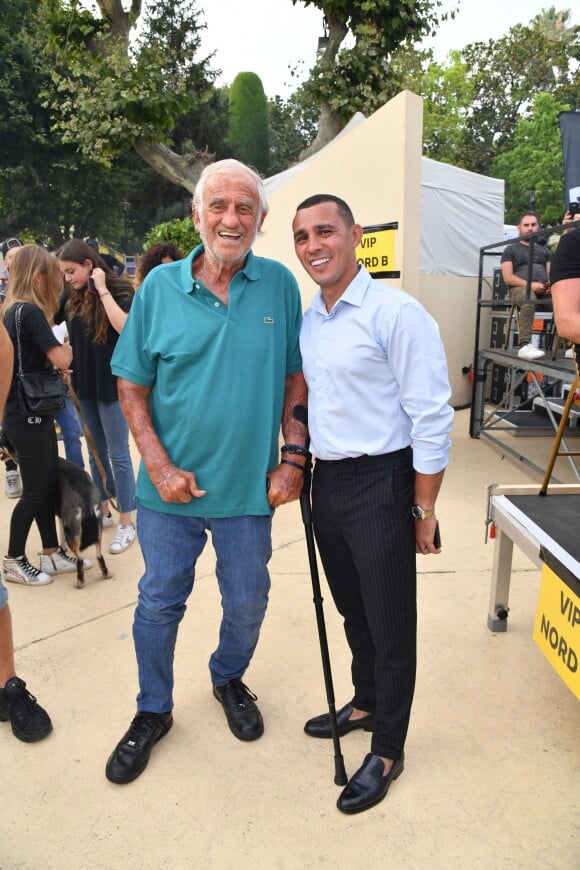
(377, 376)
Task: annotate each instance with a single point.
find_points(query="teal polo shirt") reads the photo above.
(217, 377)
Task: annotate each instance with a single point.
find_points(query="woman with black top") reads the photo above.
(95, 306)
(33, 292)
(566, 283)
(13, 486)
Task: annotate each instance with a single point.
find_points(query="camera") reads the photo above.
(574, 208)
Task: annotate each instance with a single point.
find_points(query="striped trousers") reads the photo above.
(361, 513)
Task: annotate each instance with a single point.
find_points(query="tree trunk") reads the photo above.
(182, 171)
(329, 124)
(121, 22)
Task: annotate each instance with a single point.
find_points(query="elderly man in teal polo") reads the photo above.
(209, 369)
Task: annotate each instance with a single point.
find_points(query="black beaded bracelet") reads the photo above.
(295, 464)
(294, 448)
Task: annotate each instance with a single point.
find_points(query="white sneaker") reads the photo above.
(124, 537)
(21, 571)
(13, 485)
(569, 353)
(529, 352)
(61, 562)
(107, 521)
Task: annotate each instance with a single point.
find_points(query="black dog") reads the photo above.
(78, 504)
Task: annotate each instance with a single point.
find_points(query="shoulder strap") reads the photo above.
(18, 311)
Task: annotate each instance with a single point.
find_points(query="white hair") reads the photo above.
(231, 167)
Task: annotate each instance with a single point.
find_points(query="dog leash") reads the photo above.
(93, 449)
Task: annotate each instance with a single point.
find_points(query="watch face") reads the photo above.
(417, 512)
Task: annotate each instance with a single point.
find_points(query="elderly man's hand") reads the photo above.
(285, 483)
(175, 485)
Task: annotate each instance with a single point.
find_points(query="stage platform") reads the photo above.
(519, 515)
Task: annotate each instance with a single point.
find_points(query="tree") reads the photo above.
(292, 129)
(248, 135)
(113, 95)
(534, 163)
(347, 80)
(448, 96)
(46, 189)
(474, 102)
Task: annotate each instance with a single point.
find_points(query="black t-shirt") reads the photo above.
(92, 377)
(566, 259)
(36, 338)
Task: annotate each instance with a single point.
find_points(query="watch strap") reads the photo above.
(420, 514)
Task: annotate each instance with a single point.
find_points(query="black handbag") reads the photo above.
(38, 393)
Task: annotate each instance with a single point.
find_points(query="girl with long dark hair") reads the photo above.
(95, 306)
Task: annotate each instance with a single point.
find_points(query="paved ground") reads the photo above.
(492, 760)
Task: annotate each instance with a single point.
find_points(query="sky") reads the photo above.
(268, 37)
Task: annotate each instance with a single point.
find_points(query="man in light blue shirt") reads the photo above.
(379, 423)
(209, 367)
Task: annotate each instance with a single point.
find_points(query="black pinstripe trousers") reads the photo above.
(361, 513)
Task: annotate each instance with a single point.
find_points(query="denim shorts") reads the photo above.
(3, 594)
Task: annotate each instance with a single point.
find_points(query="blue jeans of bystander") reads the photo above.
(71, 432)
(110, 432)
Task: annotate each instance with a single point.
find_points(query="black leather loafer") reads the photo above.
(130, 756)
(244, 718)
(320, 725)
(368, 786)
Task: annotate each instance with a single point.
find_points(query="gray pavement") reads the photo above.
(492, 757)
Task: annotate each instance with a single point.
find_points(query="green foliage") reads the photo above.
(48, 190)
(355, 79)
(105, 104)
(43, 184)
(292, 128)
(178, 232)
(447, 109)
(473, 102)
(206, 127)
(534, 162)
(105, 97)
(248, 134)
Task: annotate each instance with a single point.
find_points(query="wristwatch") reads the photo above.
(420, 514)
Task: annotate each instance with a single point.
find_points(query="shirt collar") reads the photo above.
(353, 295)
(251, 268)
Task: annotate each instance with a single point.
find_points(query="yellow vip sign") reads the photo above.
(557, 626)
(376, 251)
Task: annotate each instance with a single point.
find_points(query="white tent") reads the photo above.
(461, 212)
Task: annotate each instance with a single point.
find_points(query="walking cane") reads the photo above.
(340, 778)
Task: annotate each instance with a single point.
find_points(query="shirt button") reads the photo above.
(217, 305)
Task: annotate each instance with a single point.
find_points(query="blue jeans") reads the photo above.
(71, 431)
(171, 546)
(107, 425)
(3, 595)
